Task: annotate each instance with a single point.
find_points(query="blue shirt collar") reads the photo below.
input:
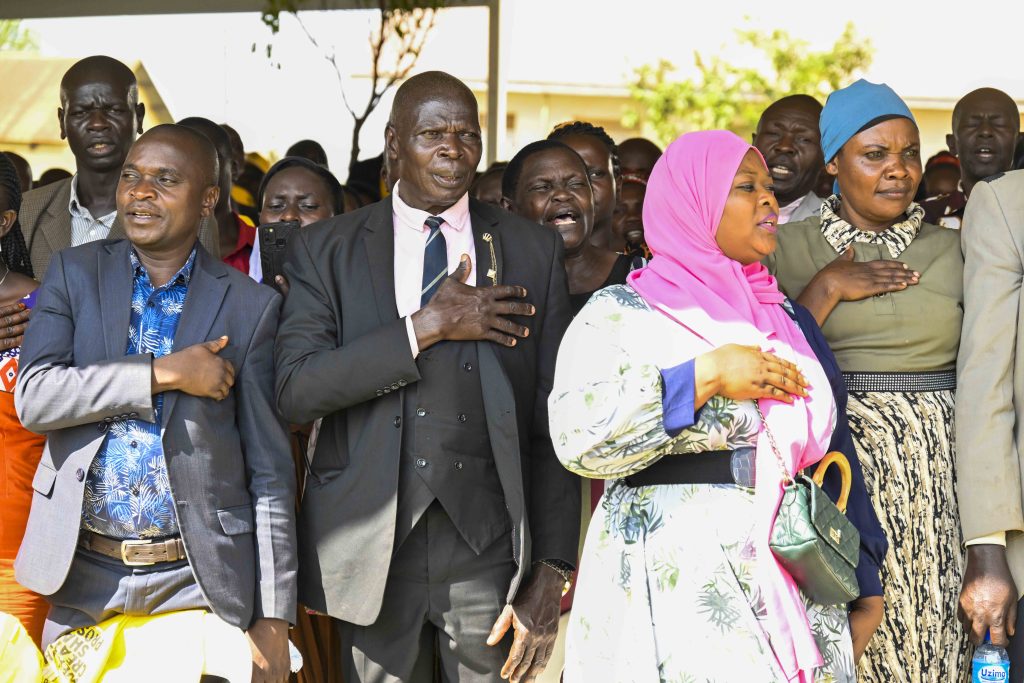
(183, 276)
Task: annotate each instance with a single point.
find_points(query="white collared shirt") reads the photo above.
(85, 228)
(411, 235)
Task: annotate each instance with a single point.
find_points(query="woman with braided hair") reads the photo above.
(601, 156)
(20, 449)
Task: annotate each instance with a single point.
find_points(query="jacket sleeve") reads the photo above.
(986, 450)
(859, 510)
(554, 503)
(317, 374)
(52, 392)
(271, 473)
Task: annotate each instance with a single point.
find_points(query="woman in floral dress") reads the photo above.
(677, 580)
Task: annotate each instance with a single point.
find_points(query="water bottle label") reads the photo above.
(990, 673)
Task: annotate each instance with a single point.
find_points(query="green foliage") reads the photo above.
(14, 37)
(725, 95)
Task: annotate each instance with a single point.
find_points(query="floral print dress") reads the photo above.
(666, 589)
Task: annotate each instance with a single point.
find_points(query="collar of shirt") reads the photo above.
(183, 276)
(76, 209)
(786, 212)
(841, 234)
(456, 215)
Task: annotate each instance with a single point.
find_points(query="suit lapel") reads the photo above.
(117, 229)
(56, 228)
(489, 264)
(379, 241)
(206, 291)
(115, 279)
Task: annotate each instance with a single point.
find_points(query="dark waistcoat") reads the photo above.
(446, 451)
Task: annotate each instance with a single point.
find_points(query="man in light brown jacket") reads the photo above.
(990, 415)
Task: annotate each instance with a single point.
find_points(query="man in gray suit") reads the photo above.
(167, 481)
(423, 329)
(990, 415)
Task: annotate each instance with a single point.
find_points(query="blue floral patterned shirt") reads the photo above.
(127, 493)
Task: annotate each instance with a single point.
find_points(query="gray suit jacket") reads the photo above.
(343, 355)
(46, 224)
(990, 367)
(229, 462)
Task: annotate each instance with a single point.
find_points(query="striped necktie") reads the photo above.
(435, 260)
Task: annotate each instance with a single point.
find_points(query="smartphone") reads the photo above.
(273, 239)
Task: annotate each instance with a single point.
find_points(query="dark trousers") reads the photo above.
(440, 601)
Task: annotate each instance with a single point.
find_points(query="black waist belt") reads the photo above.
(906, 382)
(710, 467)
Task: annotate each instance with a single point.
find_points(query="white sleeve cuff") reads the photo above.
(413, 344)
(998, 538)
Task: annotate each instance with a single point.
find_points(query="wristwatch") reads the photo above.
(564, 569)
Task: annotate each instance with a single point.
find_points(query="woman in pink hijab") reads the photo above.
(657, 389)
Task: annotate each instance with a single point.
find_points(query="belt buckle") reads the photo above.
(125, 545)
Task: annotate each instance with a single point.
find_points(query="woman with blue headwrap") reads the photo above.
(887, 290)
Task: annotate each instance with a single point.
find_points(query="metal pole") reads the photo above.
(497, 95)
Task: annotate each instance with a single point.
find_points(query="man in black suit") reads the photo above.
(435, 516)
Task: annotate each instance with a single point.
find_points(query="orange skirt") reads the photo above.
(20, 451)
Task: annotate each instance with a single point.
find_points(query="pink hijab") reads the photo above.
(721, 302)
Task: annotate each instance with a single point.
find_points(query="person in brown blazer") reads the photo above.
(99, 115)
(990, 415)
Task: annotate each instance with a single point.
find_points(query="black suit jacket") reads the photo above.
(343, 354)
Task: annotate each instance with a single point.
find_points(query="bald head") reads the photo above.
(984, 98)
(429, 86)
(637, 156)
(802, 104)
(986, 124)
(205, 167)
(99, 69)
(222, 146)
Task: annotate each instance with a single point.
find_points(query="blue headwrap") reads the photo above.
(850, 110)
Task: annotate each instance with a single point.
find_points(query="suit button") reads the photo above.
(133, 415)
(108, 420)
(458, 464)
(421, 412)
(380, 392)
(387, 390)
(402, 382)
(80, 474)
(398, 421)
(421, 463)
(462, 417)
(468, 367)
(395, 387)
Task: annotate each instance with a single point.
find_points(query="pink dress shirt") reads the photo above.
(410, 241)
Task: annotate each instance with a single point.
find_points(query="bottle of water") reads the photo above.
(991, 664)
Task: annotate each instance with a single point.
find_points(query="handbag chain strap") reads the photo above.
(787, 479)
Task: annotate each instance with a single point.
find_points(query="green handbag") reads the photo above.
(812, 538)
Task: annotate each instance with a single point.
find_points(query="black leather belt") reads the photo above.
(710, 467)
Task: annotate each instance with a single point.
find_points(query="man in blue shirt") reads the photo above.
(167, 481)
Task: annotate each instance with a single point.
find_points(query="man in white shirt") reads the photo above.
(788, 137)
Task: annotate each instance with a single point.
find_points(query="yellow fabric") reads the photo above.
(177, 646)
(20, 660)
(242, 196)
(998, 538)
